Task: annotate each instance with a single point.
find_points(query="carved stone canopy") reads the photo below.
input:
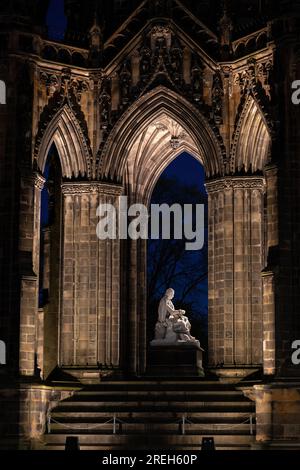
(154, 148)
(162, 136)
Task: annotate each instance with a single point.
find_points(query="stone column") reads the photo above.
(47, 255)
(30, 209)
(271, 173)
(90, 310)
(137, 308)
(40, 346)
(132, 308)
(28, 324)
(29, 247)
(269, 360)
(235, 265)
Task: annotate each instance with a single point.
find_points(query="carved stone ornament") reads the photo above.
(88, 188)
(250, 182)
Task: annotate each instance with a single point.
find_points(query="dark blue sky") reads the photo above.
(187, 170)
(56, 20)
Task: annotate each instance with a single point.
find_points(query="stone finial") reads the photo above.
(95, 33)
(96, 40)
(225, 28)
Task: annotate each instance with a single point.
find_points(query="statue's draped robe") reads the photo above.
(165, 309)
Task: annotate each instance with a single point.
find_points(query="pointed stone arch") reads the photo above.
(141, 114)
(252, 139)
(65, 132)
(152, 150)
(150, 183)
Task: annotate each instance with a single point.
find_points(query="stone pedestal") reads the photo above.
(277, 406)
(184, 360)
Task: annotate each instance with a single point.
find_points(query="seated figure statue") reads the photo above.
(173, 326)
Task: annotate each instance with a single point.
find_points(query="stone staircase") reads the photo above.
(153, 415)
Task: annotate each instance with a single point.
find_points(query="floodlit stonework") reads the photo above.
(119, 107)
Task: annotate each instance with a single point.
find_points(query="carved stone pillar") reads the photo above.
(90, 310)
(235, 265)
(271, 173)
(269, 360)
(137, 307)
(29, 246)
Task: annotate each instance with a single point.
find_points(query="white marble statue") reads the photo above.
(173, 326)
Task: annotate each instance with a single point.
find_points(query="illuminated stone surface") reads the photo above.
(118, 112)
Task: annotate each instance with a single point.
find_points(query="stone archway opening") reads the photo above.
(61, 154)
(149, 136)
(103, 292)
(169, 262)
(157, 144)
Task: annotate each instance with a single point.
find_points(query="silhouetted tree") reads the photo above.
(171, 265)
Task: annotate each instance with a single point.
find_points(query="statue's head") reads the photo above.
(170, 294)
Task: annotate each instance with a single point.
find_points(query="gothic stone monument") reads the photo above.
(119, 103)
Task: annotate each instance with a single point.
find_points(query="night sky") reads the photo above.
(56, 20)
(187, 170)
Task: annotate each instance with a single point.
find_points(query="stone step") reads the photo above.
(152, 413)
(134, 395)
(148, 428)
(138, 442)
(141, 415)
(199, 396)
(157, 386)
(179, 447)
(180, 406)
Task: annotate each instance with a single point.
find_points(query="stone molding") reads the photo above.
(88, 188)
(235, 182)
(33, 178)
(39, 181)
